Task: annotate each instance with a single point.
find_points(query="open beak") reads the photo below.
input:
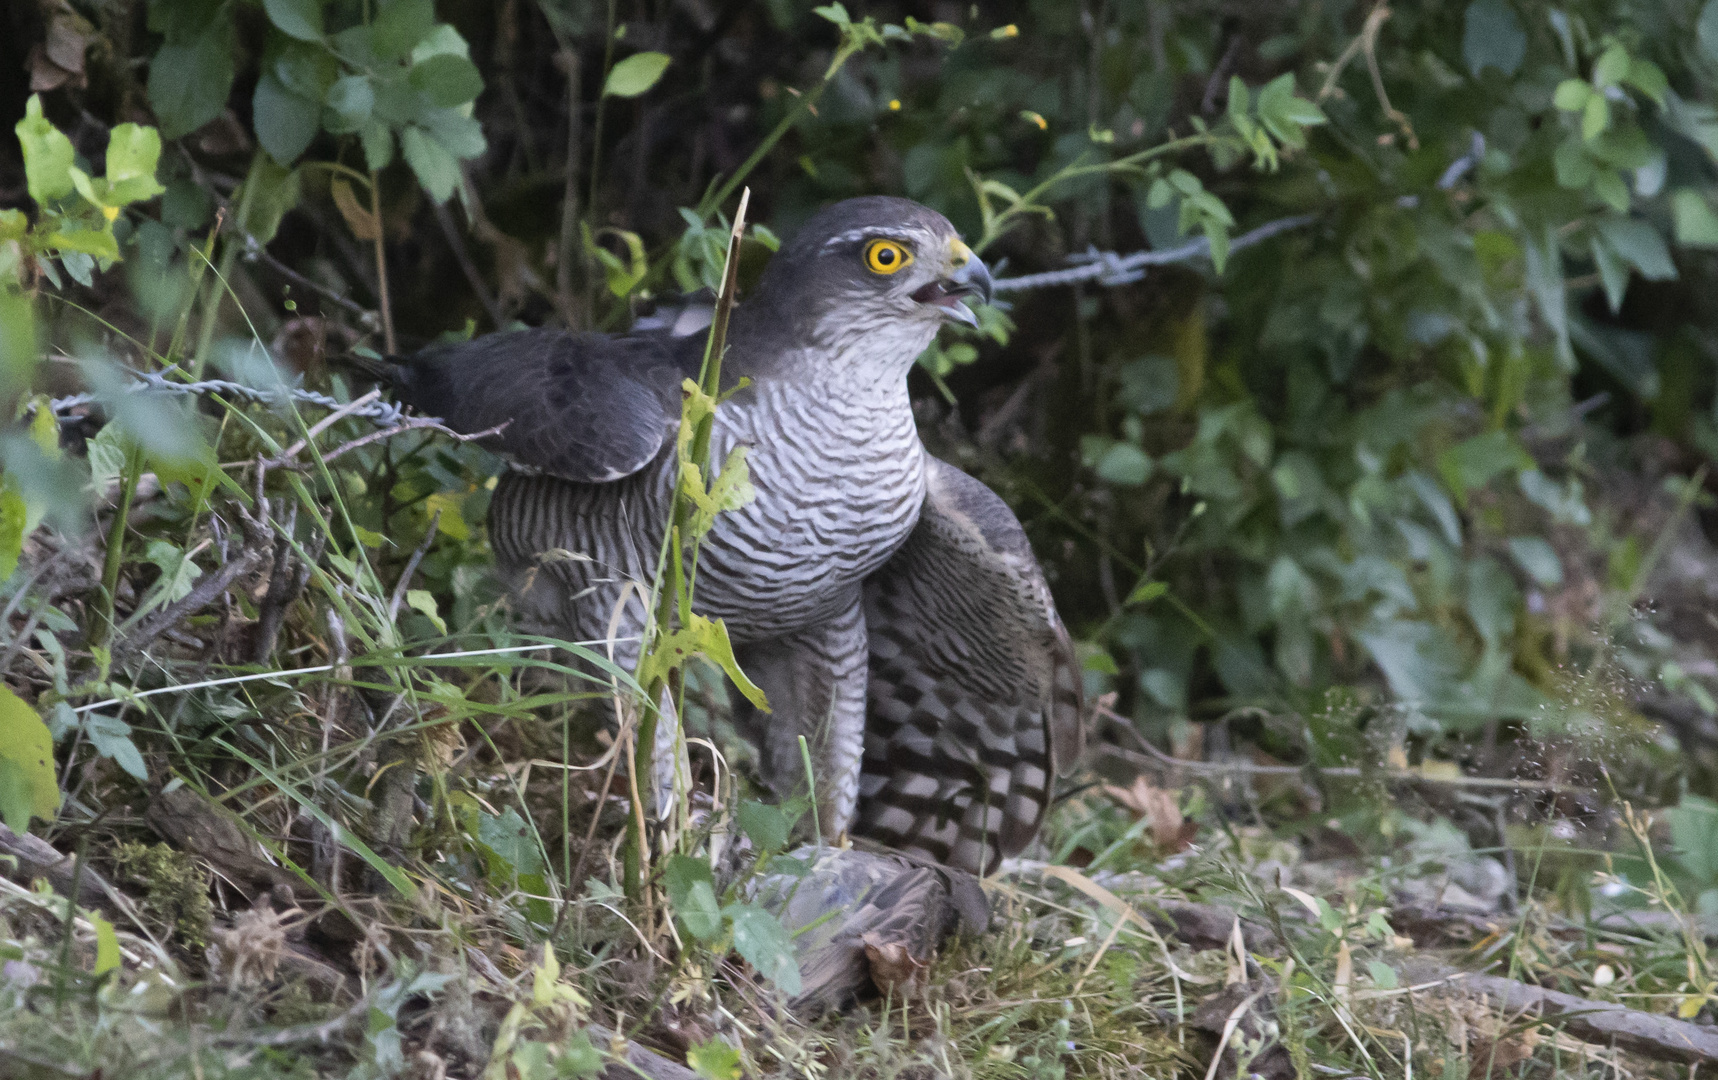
(971, 278)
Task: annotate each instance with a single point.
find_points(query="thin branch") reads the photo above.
(450, 229)
(405, 581)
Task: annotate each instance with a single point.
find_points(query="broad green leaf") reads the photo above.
(1648, 78)
(701, 637)
(13, 515)
(1696, 224)
(579, 1059)
(759, 937)
(399, 25)
(274, 190)
(132, 154)
(436, 169)
(285, 121)
(766, 825)
(1595, 116)
(1383, 975)
(1538, 558)
(48, 155)
(28, 786)
(1471, 464)
(714, 1060)
(422, 601)
(301, 19)
(106, 945)
(636, 74)
(111, 738)
(351, 100)
(1125, 464)
(1492, 37)
(509, 838)
(189, 81)
(1611, 67)
(692, 895)
(1638, 244)
(1146, 591)
(378, 140)
(449, 80)
(1572, 94)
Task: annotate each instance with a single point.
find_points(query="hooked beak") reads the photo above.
(971, 278)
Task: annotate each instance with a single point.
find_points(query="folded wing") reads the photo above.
(975, 699)
(584, 407)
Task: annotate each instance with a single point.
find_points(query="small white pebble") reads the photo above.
(1073, 943)
(1604, 975)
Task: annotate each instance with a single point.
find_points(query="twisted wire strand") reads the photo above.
(1109, 268)
(384, 413)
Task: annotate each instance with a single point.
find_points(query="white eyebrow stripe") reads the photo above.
(852, 235)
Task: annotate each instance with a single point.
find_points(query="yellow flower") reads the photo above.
(110, 212)
(1031, 117)
(1005, 32)
(895, 105)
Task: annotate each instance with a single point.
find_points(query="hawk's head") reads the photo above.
(876, 265)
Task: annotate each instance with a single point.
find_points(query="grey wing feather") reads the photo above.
(974, 693)
(584, 407)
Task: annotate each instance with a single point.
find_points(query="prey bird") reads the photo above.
(886, 602)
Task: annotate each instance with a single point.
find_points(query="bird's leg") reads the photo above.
(815, 681)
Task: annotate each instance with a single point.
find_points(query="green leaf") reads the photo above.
(1572, 94)
(765, 825)
(1383, 975)
(48, 155)
(1145, 592)
(1696, 224)
(1284, 114)
(692, 895)
(351, 100)
(400, 25)
(449, 80)
(714, 1060)
(436, 169)
(106, 945)
(1473, 463)
(28, 786)
(1125, 464)
(422, 601)
(13, 515)
(759, 937)
(1538, 558)
(300, 19)
(636, 74)
(132, 154)
(1611, 67)
(189, 82)
(1638, 244)
(509, 838)
(1595, 116)
(378, 140)
(111, 738)
(285, 122)
(701, 637)
(1648, 78)
(1492, 37)
(579, 1059)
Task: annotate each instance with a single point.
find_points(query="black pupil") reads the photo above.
(885, 256)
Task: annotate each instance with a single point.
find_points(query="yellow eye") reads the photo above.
(886, 256)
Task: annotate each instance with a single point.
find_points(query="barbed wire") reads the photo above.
(384, 413)
(1108, 268)
(1105, 268)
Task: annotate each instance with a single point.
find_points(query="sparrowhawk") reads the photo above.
(886, 602)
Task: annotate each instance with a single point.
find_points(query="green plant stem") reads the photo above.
(807, 101)
(101, 632)
(381, 264)
(217, 288)
(674, 591)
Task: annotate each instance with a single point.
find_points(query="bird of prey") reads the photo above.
(886, 602)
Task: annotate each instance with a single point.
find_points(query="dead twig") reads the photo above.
(405, 582)
(1661, 1038)
(450, 229)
